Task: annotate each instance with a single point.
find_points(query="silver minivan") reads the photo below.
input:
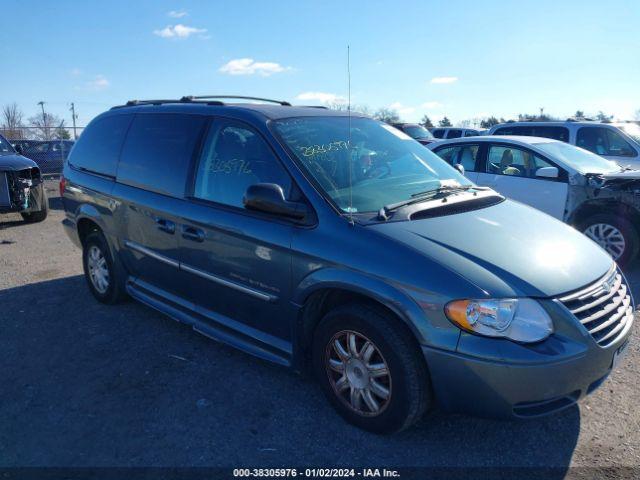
(613, 141)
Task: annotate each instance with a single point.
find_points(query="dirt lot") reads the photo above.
(83, 384)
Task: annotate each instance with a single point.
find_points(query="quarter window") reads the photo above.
(604, 141)
(438, 133)
(98, 147)
(235, 157)
(158, 151)
(508, 160)
(465, 155)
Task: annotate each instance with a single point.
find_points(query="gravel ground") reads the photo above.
(87, 385)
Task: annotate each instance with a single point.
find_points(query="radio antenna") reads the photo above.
(349, 136)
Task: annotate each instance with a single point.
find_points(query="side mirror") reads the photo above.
(547, 172)
(269, 198)
(19, 149)
(459, 167)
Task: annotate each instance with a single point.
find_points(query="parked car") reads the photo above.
(454, 132)
(21, 187)
(416, 131)
(604, 139)
(21, 145)
(595, 195)
(300, 234)
(48, 154)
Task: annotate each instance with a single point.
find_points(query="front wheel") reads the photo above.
(371, 368)
(616, 235)
(40, 215)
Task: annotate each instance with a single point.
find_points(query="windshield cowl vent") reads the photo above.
(455, 208)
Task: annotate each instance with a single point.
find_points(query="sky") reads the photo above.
(462, 59)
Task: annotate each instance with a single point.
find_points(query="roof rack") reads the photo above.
(191, 98)
(206, 99)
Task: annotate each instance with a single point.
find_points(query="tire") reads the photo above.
(98, 264)
(407, 384)
(40, 215)
(602, 227)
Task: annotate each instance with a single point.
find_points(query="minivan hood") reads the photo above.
(508, 249)
(15, 162)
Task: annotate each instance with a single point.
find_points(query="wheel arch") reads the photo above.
(604, 206)
(330, 289)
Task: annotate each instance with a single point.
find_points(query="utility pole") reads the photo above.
(541, 112)
(44, 121)
(73, 118)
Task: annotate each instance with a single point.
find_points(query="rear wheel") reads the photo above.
(616, 235)
(105, 280)
(370, 368)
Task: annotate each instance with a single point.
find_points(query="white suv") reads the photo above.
(609, 140)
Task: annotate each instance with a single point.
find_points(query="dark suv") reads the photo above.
(308, 236)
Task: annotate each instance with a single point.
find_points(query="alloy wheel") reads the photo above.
(98, 271)
(358, 373)
(608, 237)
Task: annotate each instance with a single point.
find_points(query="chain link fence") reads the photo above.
(47, 146)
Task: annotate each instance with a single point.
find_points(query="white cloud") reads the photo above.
(75, 72)
(98, 83)
(248, 66)
(178, 31)
(401, 109)
(444, 79)
(177, 13)
(431, 105)
(322, 97)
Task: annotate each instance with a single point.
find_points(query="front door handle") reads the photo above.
(192, 233)
(165, 225)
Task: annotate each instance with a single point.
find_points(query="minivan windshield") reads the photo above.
(417, 131)
(581, 160)
(631, 129)
(381, 164)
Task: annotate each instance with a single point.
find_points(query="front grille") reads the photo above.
(604, 308)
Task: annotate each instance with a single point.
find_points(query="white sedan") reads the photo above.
(595, 195)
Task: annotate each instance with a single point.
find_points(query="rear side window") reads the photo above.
(557, 133)
(98, 147)
(158, 151)
(235, 157)
(454, 133)
(526, 131)
(438, 133)
(471, 133)
(465, 155)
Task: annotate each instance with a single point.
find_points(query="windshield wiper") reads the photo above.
(440, 192)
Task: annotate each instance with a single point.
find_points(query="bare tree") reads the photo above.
(12, 121)
(387, 115)
(343, 106)
(47, 127)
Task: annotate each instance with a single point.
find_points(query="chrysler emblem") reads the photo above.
(607, 285)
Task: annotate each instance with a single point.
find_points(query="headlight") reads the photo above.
(521, 320)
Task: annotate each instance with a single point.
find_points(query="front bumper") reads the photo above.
(501, 379)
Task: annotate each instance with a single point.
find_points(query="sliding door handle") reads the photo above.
(165, 225)
(192, 233)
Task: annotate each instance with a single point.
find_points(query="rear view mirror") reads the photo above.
(459, 167)
(269, 198)
(547, 172)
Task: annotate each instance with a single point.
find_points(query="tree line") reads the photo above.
(390, 115)
(45, 126)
